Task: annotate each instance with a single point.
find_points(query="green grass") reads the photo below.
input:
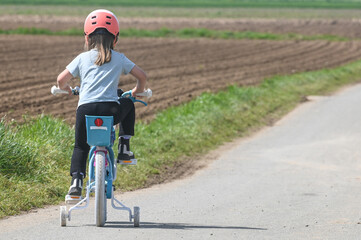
(181, 33)
(350, 4)
(33, 163)
(35, 156)
(177, 12)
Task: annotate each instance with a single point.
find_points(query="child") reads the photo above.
(99, 69)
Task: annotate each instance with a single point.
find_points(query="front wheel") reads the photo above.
(100, 197)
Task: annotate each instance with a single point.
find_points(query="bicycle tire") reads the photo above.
(100, 197)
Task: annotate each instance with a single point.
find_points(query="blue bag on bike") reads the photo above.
(99, 130)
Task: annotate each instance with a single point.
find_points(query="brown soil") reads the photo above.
(178, 70)
(342, 27)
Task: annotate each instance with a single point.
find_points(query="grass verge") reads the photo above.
(181, 33)
(34, 162)
(176, 12)
(34, 157)
(351, 4)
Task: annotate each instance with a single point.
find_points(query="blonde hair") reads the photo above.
(104, 43)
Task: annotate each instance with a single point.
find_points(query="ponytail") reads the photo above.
(103, 41)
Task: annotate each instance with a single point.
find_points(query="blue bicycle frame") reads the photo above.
(101, 136)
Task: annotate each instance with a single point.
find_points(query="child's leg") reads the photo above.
(81, 147)
(80, 154)
(127, 117)
(126, 129)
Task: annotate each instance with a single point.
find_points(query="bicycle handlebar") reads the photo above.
(147, 93)
(128, 94)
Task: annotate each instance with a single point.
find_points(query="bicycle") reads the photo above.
(102, 166)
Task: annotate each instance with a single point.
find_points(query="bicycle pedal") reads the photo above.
(128, 162)
(73, 199)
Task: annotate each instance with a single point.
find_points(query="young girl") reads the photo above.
(99, 69)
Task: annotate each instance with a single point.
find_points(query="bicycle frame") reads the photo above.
(101, 136)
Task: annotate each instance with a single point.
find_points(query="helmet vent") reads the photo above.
(108, 23)
(94, 17)
(109, 17)
(94, 23)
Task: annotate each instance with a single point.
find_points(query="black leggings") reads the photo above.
(123, 113)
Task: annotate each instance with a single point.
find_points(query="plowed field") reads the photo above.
(178, 70)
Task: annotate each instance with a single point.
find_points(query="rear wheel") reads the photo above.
(100, 197)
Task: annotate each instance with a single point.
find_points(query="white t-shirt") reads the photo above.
(99, 83)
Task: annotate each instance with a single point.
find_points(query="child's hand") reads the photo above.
(135, 91)
(68, 89)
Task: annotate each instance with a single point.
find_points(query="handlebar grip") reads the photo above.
(147, 93)
(55, 91)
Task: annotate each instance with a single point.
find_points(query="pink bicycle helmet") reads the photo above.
(101, 18)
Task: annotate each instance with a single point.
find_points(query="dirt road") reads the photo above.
(300, 179)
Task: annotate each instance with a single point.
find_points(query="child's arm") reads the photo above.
(63, 79)
(141, 77)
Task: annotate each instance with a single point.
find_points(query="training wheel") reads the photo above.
(63, 216)
(136, 217)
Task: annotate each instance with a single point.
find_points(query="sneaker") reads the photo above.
(76, 187)
(125, 156)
